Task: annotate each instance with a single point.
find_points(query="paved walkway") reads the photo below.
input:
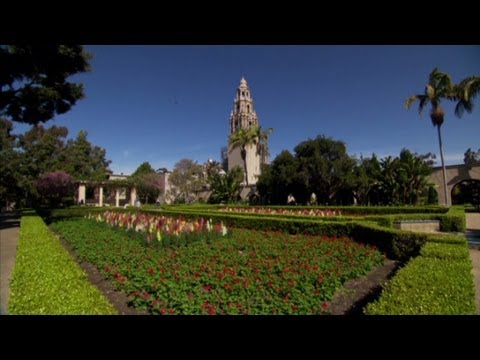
(9, 228)
(473, 237)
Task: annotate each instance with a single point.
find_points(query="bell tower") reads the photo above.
(243, 116)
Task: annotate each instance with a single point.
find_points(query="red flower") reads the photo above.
(207, 288)
(325, 305)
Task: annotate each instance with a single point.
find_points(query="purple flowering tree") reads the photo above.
(55, 186)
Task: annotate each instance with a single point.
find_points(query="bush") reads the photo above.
(429, 285)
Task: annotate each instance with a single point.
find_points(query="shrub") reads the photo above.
(429, 285)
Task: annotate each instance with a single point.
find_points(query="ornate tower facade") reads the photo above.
(243, 116)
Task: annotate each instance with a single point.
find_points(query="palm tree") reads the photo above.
(439, 87)
(243, 138)
(465, 91)
(262, 142)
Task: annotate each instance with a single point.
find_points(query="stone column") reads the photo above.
(100, 197)
(81, 193)
(117, 197)
(133, 195)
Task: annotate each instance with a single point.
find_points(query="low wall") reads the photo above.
(427, 226)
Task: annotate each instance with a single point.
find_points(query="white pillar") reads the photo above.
(81, 193)
(133, 195)
(100, 196)
(117, 197)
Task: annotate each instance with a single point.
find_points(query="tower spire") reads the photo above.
(243, 115)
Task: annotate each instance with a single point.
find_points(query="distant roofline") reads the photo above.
(456, 166)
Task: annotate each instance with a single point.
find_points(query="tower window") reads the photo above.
(243, 93)
(248, 108)
(250, 123)
(238, 107)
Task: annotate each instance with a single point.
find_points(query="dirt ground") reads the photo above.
(356, 293)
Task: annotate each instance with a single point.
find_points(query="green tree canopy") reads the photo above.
(43, 150)
(225, 186)
(328, 166)
(33, 80)
(283, 177)
(85, 161)
(144, 168)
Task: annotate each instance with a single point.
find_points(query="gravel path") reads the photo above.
(9, 227)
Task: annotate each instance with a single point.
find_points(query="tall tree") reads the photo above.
(187, 179)
(465, 92)
(85, 161)
(33, 80)
(43, 151)
(413, 173)
(262, 142)
(328, 166)
(367, 176)
(439, 87)
(147, 182)
(144, 168)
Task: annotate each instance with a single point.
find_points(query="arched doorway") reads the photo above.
(466, 192)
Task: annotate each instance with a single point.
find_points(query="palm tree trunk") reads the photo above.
(443, 166)
(244, 157)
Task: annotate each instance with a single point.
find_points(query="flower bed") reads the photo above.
(251, 272)
(164, 231)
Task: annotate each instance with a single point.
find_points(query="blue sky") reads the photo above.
(163, 103)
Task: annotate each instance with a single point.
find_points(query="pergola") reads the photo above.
(98, 186)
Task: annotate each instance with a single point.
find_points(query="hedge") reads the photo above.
(346, 210)
(46, 280)
(429, 285)
(439, 281)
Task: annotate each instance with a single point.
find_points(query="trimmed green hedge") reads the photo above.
(439, 281)
(46, 280)
(346, 210)
(453, 221)
(429, 286)
(445, 251)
